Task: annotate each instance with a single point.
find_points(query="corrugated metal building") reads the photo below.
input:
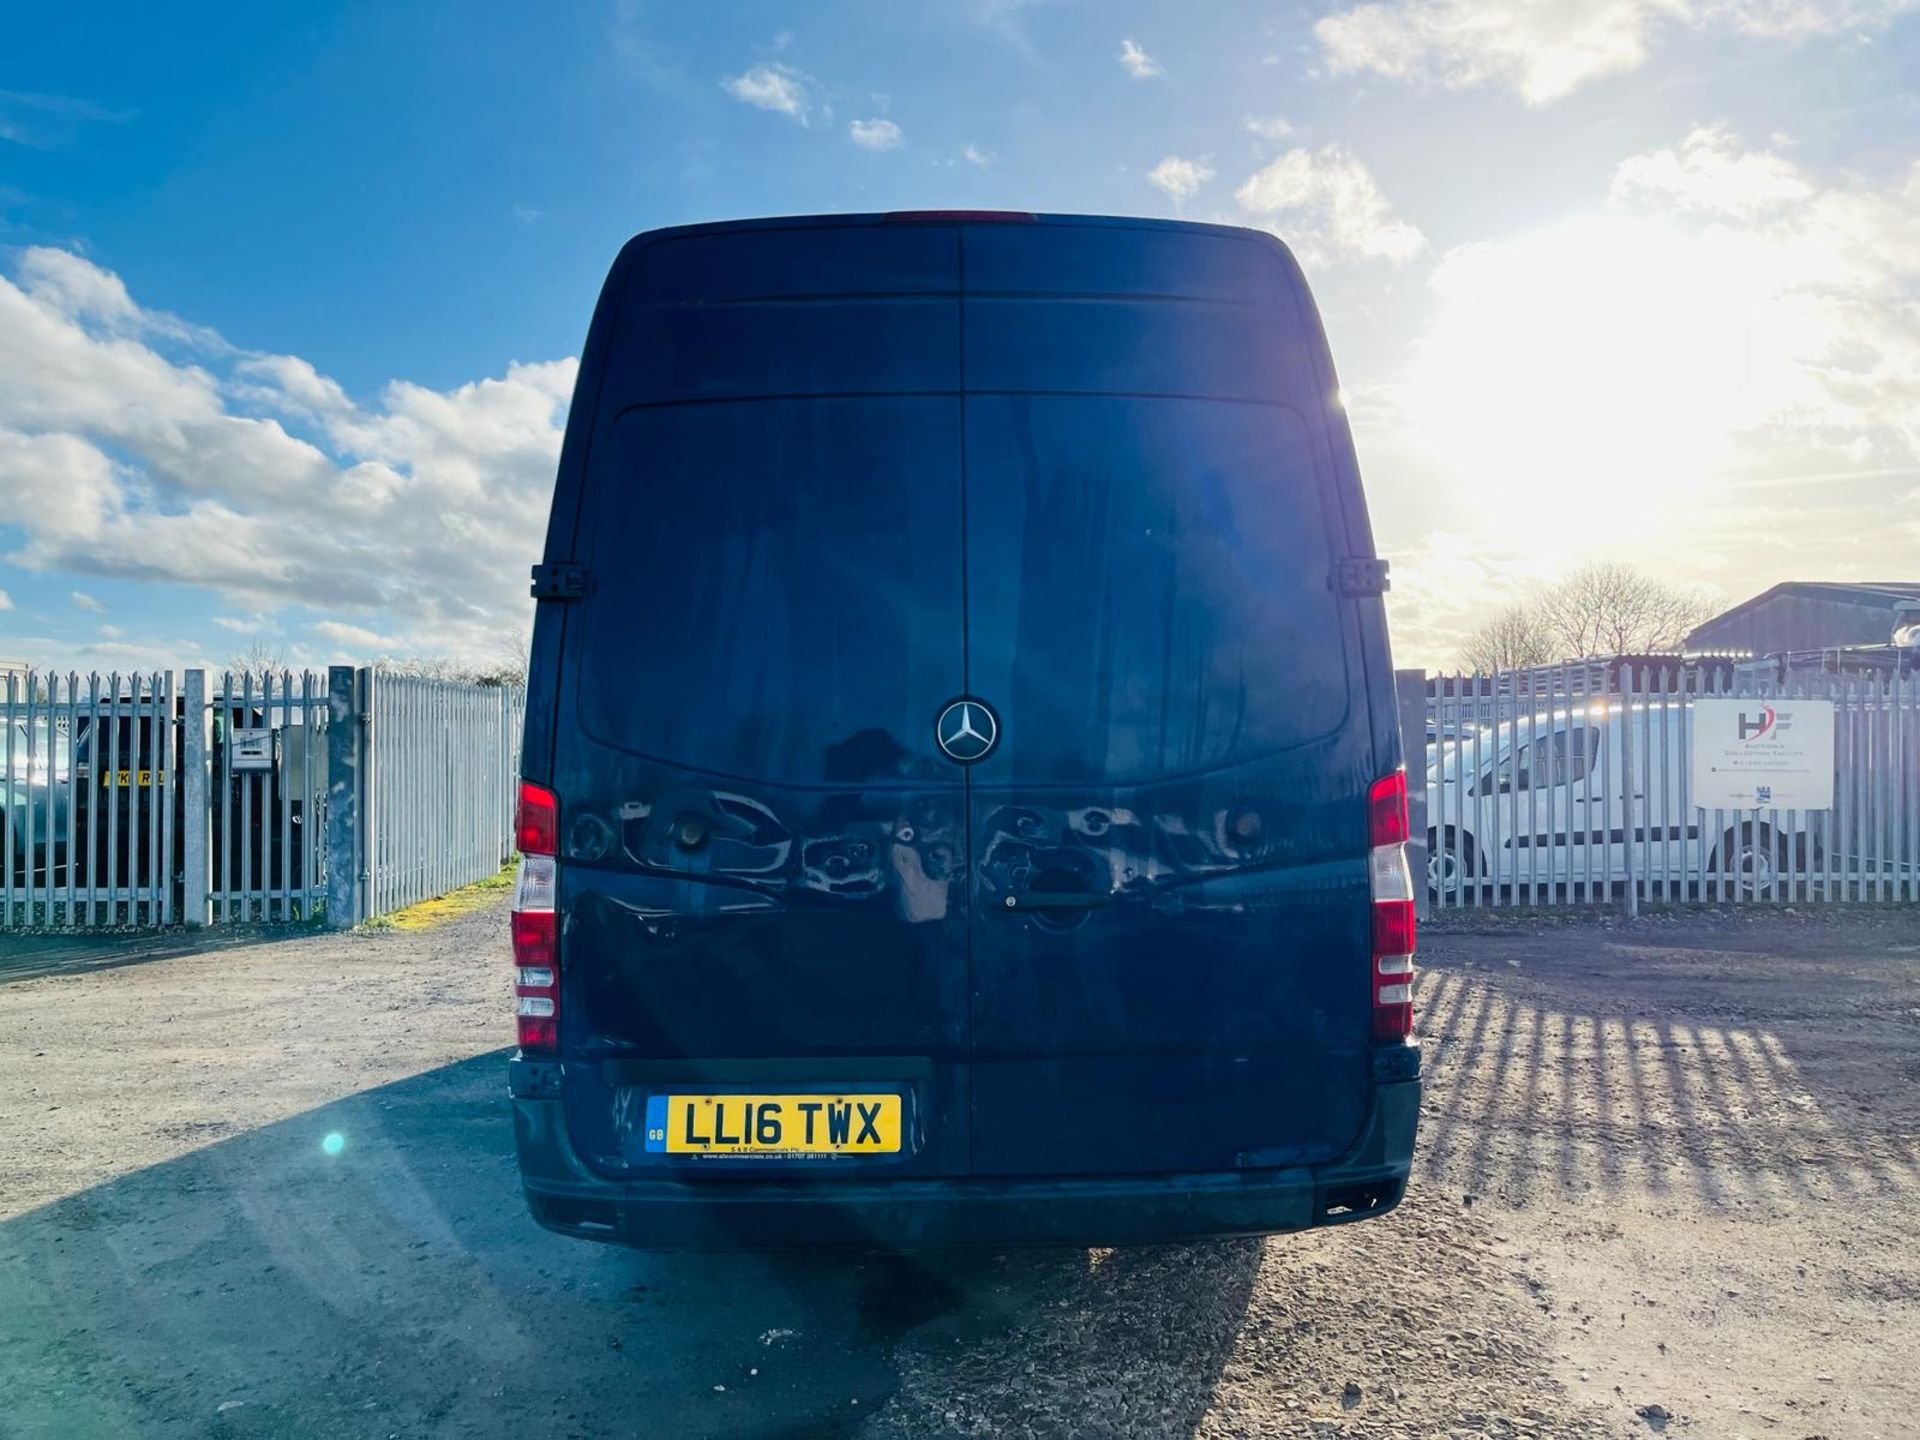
(1800, 616)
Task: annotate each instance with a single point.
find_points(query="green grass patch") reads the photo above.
(441, 908)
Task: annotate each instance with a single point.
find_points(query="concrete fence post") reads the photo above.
(1410, 688)
(346, 754)
(194, 815)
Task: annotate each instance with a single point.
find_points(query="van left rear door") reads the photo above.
(760, 853)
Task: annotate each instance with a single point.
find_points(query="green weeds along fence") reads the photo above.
(136, 801)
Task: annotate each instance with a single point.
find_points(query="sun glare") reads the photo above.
(1583, 375)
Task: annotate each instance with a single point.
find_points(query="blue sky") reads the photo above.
(288, 300)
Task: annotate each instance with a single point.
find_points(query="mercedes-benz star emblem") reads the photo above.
(967, 731)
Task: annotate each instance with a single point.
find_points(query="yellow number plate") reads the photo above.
(132, 779)
(773, 1124)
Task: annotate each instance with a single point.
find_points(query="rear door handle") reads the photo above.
(1055, 900)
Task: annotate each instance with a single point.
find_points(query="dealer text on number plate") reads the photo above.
(773, 1124)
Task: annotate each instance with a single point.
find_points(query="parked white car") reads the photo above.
(1544, 803)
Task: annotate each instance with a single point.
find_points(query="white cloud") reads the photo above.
(111, 632)
(358, 637)
(46, 121)
(1269, 127)
(1545, 51)
(774, 86)
(875, 134)
(526, 214)
(258, 477)
(1326, 203)
(974, 155)
(1137, 62)
(286, 382)
(63, 483)
(84, 600)
(1832, 269)
(74, 362)
(1708, 173)
(1007, 19)
(76, 286)
(1791, 19)
(1180, 179)
(1542, 51)
(6, 601)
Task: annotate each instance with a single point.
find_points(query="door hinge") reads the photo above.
(562, 580)
(1357, 575)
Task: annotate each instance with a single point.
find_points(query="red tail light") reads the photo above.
(536, 977)
(536, 821)
(536, 921)
(1393, 928)
(1387, 810)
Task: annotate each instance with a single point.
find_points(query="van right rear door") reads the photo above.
(1169, 888)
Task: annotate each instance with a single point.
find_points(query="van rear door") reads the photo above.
(1170, 893)
(760, 849)
(822, 485)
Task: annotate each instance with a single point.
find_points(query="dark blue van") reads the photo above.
(962, 793)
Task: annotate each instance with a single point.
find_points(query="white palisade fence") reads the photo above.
(1572, 786)
(156, 799)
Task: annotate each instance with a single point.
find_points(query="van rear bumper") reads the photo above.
(669, 1214)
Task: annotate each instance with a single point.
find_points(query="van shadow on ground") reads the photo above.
(262, 1286)
(1698, 1067)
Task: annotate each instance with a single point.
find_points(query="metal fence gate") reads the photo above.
(133, 801)
(444, 759)
(88, 824)
(1572, 786)
(267, 802)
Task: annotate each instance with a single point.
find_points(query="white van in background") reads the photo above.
(1541, 805)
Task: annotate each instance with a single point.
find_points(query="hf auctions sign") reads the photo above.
(1762, 754)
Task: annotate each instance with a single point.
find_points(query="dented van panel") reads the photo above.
(962, 730)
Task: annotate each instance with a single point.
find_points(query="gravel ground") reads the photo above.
(1704, 1132)
(1668, 1182)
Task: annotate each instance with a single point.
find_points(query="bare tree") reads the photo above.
(258, 656)
(1612, 609)
(1603, 609)
(1512, 640)
(507, 667)
(510, 660)
(426, 667)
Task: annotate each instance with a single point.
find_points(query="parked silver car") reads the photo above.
(33, 823)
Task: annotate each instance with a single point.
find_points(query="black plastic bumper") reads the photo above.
(671, 1214)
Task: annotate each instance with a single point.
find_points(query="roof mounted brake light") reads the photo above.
(960, 217)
